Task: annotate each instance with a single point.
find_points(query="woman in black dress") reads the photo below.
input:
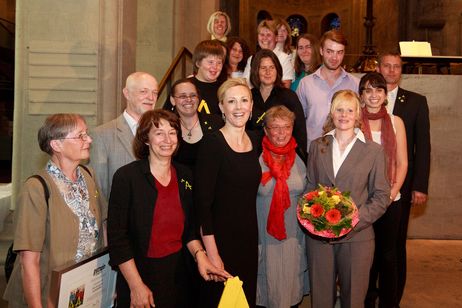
(194, 125)
(227, 177)
(150, 225)
(268, 91)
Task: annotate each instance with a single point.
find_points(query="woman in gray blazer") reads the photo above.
(345, 159)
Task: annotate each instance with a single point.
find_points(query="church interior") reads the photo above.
(74, 56)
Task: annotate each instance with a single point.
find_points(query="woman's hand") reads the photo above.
(209, 271)
(141, 296)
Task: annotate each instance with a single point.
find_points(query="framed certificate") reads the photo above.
(89, 283)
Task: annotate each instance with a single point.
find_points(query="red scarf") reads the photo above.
(280, 171)
(387, 137)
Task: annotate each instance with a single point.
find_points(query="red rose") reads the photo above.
(312, 194)
(316, 210)
(333, 216)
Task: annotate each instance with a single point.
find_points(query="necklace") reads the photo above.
(189, 134)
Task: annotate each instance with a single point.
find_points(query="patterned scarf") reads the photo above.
(280, 171)
(388, 137)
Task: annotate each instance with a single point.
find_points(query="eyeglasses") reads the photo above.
(82, 136)
(280, 128)
(184, 97)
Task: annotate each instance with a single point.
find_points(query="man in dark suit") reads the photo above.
(112, 141)
(412, 108)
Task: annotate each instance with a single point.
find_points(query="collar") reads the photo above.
(343, 73)
(358, 132)
(132, 123)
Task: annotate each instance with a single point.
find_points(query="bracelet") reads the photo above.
(198, 250)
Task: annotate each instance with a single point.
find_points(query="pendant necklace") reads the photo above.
(189, 134)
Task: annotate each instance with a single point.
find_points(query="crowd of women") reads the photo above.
(218, 174)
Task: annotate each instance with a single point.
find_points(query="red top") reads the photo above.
(168, 220)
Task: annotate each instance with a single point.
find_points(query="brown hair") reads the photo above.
(376, 80)
(334, 35)
(279, 112)
(148, 120)
(392, 53)
(56, 126)
(341, 96)
(278, 22)
(299, 66)
(207, 48)
(245, 51)
(231, 83)
(255, 67)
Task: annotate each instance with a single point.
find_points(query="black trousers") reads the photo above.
(386, 266)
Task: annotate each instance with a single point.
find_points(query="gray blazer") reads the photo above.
(110, 150)
(363, 174)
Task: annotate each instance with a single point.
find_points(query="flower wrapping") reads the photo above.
(327, 212)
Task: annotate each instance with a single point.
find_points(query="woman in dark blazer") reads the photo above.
(268, 91)
(345, 159)
(150, 221)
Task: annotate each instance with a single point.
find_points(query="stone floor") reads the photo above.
(434, 274)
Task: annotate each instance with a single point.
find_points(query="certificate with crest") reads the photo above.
(89, 283)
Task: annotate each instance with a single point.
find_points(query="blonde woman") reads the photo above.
(218, 26)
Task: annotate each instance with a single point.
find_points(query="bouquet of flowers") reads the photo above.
(327, 212)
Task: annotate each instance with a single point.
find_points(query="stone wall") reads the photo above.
(441, 217)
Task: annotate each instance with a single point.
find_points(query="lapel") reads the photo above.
(353, 160)
(400, 101)
(124, 134)
(327, 162)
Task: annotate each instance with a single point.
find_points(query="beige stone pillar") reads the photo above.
(71, 56)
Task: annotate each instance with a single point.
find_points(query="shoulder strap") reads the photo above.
(44, 184)
(86, 169)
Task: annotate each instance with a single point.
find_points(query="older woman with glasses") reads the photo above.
(282, 267)
(66, 227)
(194, 125)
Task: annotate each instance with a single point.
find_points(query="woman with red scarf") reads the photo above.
(387, 130)
(282, 266)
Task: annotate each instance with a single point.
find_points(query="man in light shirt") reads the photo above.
(412, 108)
(316, 90)
(112, 141)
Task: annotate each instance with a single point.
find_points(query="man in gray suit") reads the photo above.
(112, 141)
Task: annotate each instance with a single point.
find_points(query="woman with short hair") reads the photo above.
(150, 225)
(282, 267)
(66, 227)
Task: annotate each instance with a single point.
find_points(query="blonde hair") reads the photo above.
(214, 17)
(231, 83)
(339, 97)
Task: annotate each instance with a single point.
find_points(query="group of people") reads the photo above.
(206, 188)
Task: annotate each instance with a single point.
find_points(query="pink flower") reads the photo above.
(316, 210)
(333, 216)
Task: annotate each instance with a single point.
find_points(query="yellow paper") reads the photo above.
(233, 295)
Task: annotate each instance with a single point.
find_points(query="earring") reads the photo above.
(173, 108)
(223, 117)
(250, 117)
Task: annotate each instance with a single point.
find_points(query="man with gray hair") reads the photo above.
(112, 141)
